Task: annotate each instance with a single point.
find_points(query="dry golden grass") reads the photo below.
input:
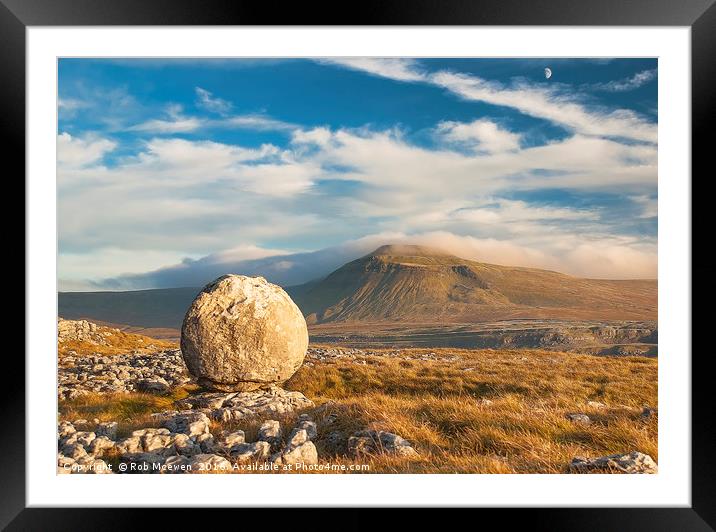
(441, 406)
(438, 406)
(117, 342)
(131, 411)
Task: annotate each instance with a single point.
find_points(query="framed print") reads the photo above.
(434, 258)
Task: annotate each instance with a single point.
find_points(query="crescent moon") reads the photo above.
(547, 73)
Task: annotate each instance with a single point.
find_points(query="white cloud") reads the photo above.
(75, 152)
(481, 135)
(536, 101)
(549, 105)
(111, 261)
(197, 196)
(582, 255)
(627, 84)
(394, 68)
(207, 101)
(175, 123)
(69, 107)
(649, 205)
(255, 122)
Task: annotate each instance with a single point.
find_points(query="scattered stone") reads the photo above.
(378, 442)
(243, 333)
(188, 422)
(648, 413)
(142, 463)
(579, 419)
(596, 404)
(153, 372)
(306, 425)
(233, 438)
(209, 462)
(131, 445)
(157, 386)
(89, 465)
(80, 331)
(73, 450)
(108, 429)
(634, 462)
(257, 451)
(185, 446)
(177, 464)
(206, 443)
(101, 444)
(305, 454)
(298, 437)
(270, 431)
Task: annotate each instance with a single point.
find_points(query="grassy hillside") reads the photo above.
(415, 284)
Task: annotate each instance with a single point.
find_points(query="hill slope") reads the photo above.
(422, 285)
(163, 307)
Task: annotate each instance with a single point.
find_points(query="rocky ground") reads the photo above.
(267, 430)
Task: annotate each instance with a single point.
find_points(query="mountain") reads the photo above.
(424, 285)
(404, 284)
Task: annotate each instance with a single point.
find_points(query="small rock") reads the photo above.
(188, 422)
(156, 386)
(233, 438)
(206, 463)
(108, 429)
(377, 442)
(298, 437)
(132, 445)
(634, 463)
(648, 413)
(596, 404)
(142, 462)
(308, 426)
(580, 419)
(244, 452)
(177, 464)
(100, 444)
(305, 454)
(270, 431)
(73, 450)
(206, 442)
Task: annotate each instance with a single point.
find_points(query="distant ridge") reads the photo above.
(162, 307)
(406, 283)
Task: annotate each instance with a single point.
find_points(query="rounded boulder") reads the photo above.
(243, 333)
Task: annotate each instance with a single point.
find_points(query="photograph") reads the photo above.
(357, 265)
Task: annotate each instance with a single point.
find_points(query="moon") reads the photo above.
(548, 73)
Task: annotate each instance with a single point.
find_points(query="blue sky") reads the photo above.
(170, 165)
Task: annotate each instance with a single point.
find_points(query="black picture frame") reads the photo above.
(699, 15)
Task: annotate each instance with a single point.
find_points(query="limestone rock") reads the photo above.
(634, 462)
(244, 452)
(579, 419)
(243, 333)
(177, 464)
(270, 432)
(305, 454)
(378, 442)
(108, 429)
(188, 422)
(205, 463)
(157, 386)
